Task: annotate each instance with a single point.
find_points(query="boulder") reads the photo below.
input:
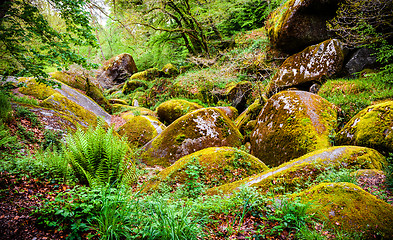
(203, 128)
(231, 112)
(86, 85)
(313, 65)
(249, 115)
(291, 124)
(301, 172)
(136, 111)
(148, 74)
(218, 165)
(238, 94)
(116, 70)
(300, 23)
(359, 60)
(36, 89)
(170, 70)
(371, 127)
(139, 130)
(132, 85)
(171, 110)
(350, 207)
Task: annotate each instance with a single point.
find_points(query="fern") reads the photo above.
(99, 157)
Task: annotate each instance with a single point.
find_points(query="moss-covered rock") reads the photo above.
(203, 128)
(350, 207)
(61, 103)
(118, 101)
(300, 172)
(170, 70)
(231, 112)
(371, 127)
(33, 88)
(313, 65)
(116, 70)
(300, 23)
(238, 95)
(139, 130)
(218, 165)
(132, 85)
(250, 114)
(146, 75)
(171, 110)
(136, 111)
(291, 124)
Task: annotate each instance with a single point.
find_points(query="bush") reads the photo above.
(5, 106)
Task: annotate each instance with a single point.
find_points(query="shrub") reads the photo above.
(5, 106)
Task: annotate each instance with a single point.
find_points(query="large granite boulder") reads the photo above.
(139, 130)
(116, 70)
(217, 166)
(301, 172)
(350, 207)
(371, 127)
(203, 128)
(300, 23)
(311, 66)
(171, 110)
(291, 124)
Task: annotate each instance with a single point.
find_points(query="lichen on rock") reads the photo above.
(350, 207)
(171, 110)
(219, 165)
(300, 172)
(371, 127)
(291, 124)
(203, 128)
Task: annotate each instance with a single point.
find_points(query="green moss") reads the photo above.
(350, 207)
(277, 20)
(118, 101)
(35, 89)
(148, 74)
(140, 130)
(201, 131)
(129, 112)
(281, 133)
(300, 172)
(371, 127)
(171, 110)
(251, 113)
(170, 70)
(132, 85)
(61, 103)
(220, 165)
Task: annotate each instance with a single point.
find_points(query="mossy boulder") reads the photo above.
(139, 130)
(217, 166)
(250, 114)
(61, 103)
(118, 101)
(238, 95)
(291, 124)
(147, 75)
(311, 66)
(203, 128)
(132, 85)
(170, 70)
(350, 207)
(36, 89)
(136, 111)
(116, 70)
(300, 23)
(171, 110)
(300, 172)
(371, 127)
(231, 112)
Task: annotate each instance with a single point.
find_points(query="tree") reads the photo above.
(29, 43)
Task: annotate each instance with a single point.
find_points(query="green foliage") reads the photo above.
(5, 137)
(5, 106)
(25, 100)
(29, 43)
(339, 175)
(52, 140)
(193, 186)
(23, 112)
(389, 171)
(98, 156)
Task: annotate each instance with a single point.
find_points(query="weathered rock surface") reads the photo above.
(250, 114)
(359, 60)
(238, 94)
(170, 70)
(139, 130)
(218, 165)
(313, 65)
(132, 85)
(116, 70)
(132, 111)
(300, 23)
(350, 207)
(371, 127)
(171, 110)
(298, 172)
(231, 112)
(291, 124)
(203, 128)
(148, 74)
